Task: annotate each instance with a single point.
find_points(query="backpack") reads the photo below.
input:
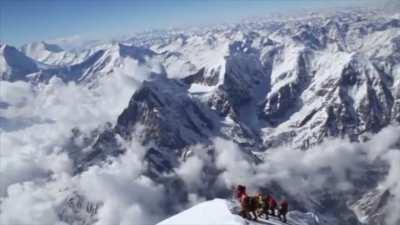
(272, 203)
(284, 205)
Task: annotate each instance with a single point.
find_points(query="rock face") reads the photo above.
(374, 208)
(157, 106)
(162, 114)
(78, 210)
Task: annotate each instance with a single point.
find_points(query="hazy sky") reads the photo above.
(23, 21)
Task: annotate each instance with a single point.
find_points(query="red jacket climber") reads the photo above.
(241, 191)
(284, 206)
(272, 202)
(247, 203)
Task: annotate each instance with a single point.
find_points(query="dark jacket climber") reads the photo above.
(283, 210)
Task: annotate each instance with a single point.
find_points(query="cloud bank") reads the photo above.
(37, 179)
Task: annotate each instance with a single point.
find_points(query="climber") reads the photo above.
(263, 205)
(241, 190)
(283, 209)
(248, 204)
(241, 195)
(272, 205)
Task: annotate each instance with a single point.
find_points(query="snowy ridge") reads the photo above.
(218, 212)
(53, 54)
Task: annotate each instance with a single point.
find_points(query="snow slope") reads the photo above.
(219, 212)
(215, 212)
(53, 54)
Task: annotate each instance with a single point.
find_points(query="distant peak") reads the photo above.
(7, 47)
(41, 45)
(52, 47)
(124, 50)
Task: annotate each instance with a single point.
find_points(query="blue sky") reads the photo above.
(23, 21)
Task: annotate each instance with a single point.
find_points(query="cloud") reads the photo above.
(29, 203)
(191, 172)
(334, 168)
(36, 171)
(35, 124)
(337, 166)
(127, 195)
(392, 182)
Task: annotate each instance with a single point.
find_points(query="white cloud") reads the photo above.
(29, 203)
(336, 165)
(127, 196)
(191, 172)
(230, 159)
(36, 122)
(36, 171)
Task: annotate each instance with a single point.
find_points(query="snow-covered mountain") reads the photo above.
(294, 83)
(14, 65)
(53, 54)
(264, 86)
(89, 66)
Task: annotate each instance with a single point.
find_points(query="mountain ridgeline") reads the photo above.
(293, 84)
(276, 82)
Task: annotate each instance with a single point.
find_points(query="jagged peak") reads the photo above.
(15, 65)
(10, 52)
(135, 51)
(159, 86)
(42, 46)
(118, 49)
(6, 47)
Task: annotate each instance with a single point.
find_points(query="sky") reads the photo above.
(24, 21)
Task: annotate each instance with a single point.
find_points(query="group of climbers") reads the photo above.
(259, 205)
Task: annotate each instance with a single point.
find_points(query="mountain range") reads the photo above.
(263, 84)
